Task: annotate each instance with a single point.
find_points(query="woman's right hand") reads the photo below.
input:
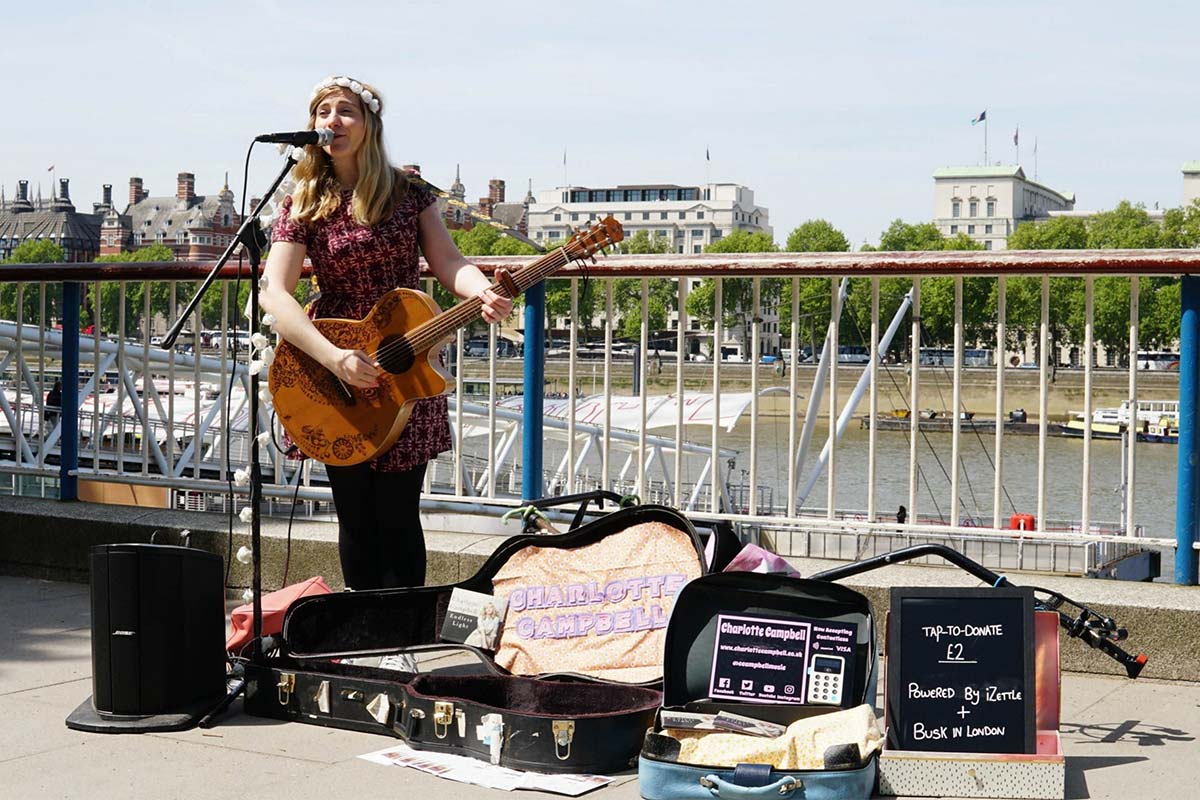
(354, 368)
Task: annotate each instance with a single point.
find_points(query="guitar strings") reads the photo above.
(427, 334)
(420, 337)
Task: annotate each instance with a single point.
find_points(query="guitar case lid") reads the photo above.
(734, 597)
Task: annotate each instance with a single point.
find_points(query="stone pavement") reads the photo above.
(1124, 739)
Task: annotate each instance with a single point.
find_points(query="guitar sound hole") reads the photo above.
(395, 355)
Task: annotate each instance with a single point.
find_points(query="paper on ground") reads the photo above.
(465, 769)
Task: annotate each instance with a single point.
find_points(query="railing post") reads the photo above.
(535, 370)
(68, 488)
(1187, 473)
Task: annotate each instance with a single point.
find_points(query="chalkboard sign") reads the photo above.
(960, 674)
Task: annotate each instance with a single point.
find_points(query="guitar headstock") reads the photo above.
(604, 233)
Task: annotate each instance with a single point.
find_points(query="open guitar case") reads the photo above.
(538, 709)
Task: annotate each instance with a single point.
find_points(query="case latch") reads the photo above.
(443, 718)
(564, 733)
(285, 687)
(412, 722)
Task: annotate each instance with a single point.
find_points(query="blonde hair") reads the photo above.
(379, 187)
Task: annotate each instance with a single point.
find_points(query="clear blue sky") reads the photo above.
(833, 110)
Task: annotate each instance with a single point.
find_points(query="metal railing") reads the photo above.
(178, 420)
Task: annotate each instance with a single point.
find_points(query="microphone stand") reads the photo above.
(251, 237)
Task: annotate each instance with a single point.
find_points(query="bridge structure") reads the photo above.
(133, 414)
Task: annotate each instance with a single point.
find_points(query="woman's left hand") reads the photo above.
(495, 306)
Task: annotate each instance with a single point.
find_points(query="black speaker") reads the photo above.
(158, 638)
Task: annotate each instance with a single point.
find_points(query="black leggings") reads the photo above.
(380, 539)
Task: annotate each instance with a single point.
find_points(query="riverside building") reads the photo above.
(690, 217)
(1191, 182)
(988, 203)
(194, 226)
(26, 218)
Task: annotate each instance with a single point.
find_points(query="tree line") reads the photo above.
(1126, 226)
(130, 294)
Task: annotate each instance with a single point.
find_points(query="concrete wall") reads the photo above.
(50, 539)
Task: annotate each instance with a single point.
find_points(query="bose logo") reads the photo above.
(124, 633)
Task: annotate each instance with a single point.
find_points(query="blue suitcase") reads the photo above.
(718, 620)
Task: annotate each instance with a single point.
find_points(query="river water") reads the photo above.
(1155, 471)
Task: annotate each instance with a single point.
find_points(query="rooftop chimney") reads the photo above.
(135, 191)
(106, 204)
(22, 203)
(496, 191)
(185, 192)
(63, 201)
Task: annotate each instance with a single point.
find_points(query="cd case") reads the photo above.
(474, 618)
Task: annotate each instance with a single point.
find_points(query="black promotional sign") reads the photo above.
(960, 670)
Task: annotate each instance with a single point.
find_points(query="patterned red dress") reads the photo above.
(355, 265)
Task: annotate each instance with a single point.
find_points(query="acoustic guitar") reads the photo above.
(341, 425)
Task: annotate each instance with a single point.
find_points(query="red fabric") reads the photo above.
(274, 607)
(354, 266)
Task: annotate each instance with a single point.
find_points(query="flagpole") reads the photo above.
(985, 155)
(1035, 158)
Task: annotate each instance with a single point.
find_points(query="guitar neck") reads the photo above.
(427, 335)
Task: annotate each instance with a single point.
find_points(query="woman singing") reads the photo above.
(360, 222)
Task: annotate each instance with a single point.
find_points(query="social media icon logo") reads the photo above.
(789, 689)
(769, 688)
(723, 683)
(747, 686)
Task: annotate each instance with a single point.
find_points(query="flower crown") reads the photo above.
(369, 100)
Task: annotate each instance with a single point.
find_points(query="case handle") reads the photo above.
(786, 786)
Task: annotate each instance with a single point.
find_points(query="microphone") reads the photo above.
(321, 138)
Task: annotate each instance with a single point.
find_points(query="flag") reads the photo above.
(1017, 136)
(50, 168)
(706, 156)
(564, 158)
(982, 116)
